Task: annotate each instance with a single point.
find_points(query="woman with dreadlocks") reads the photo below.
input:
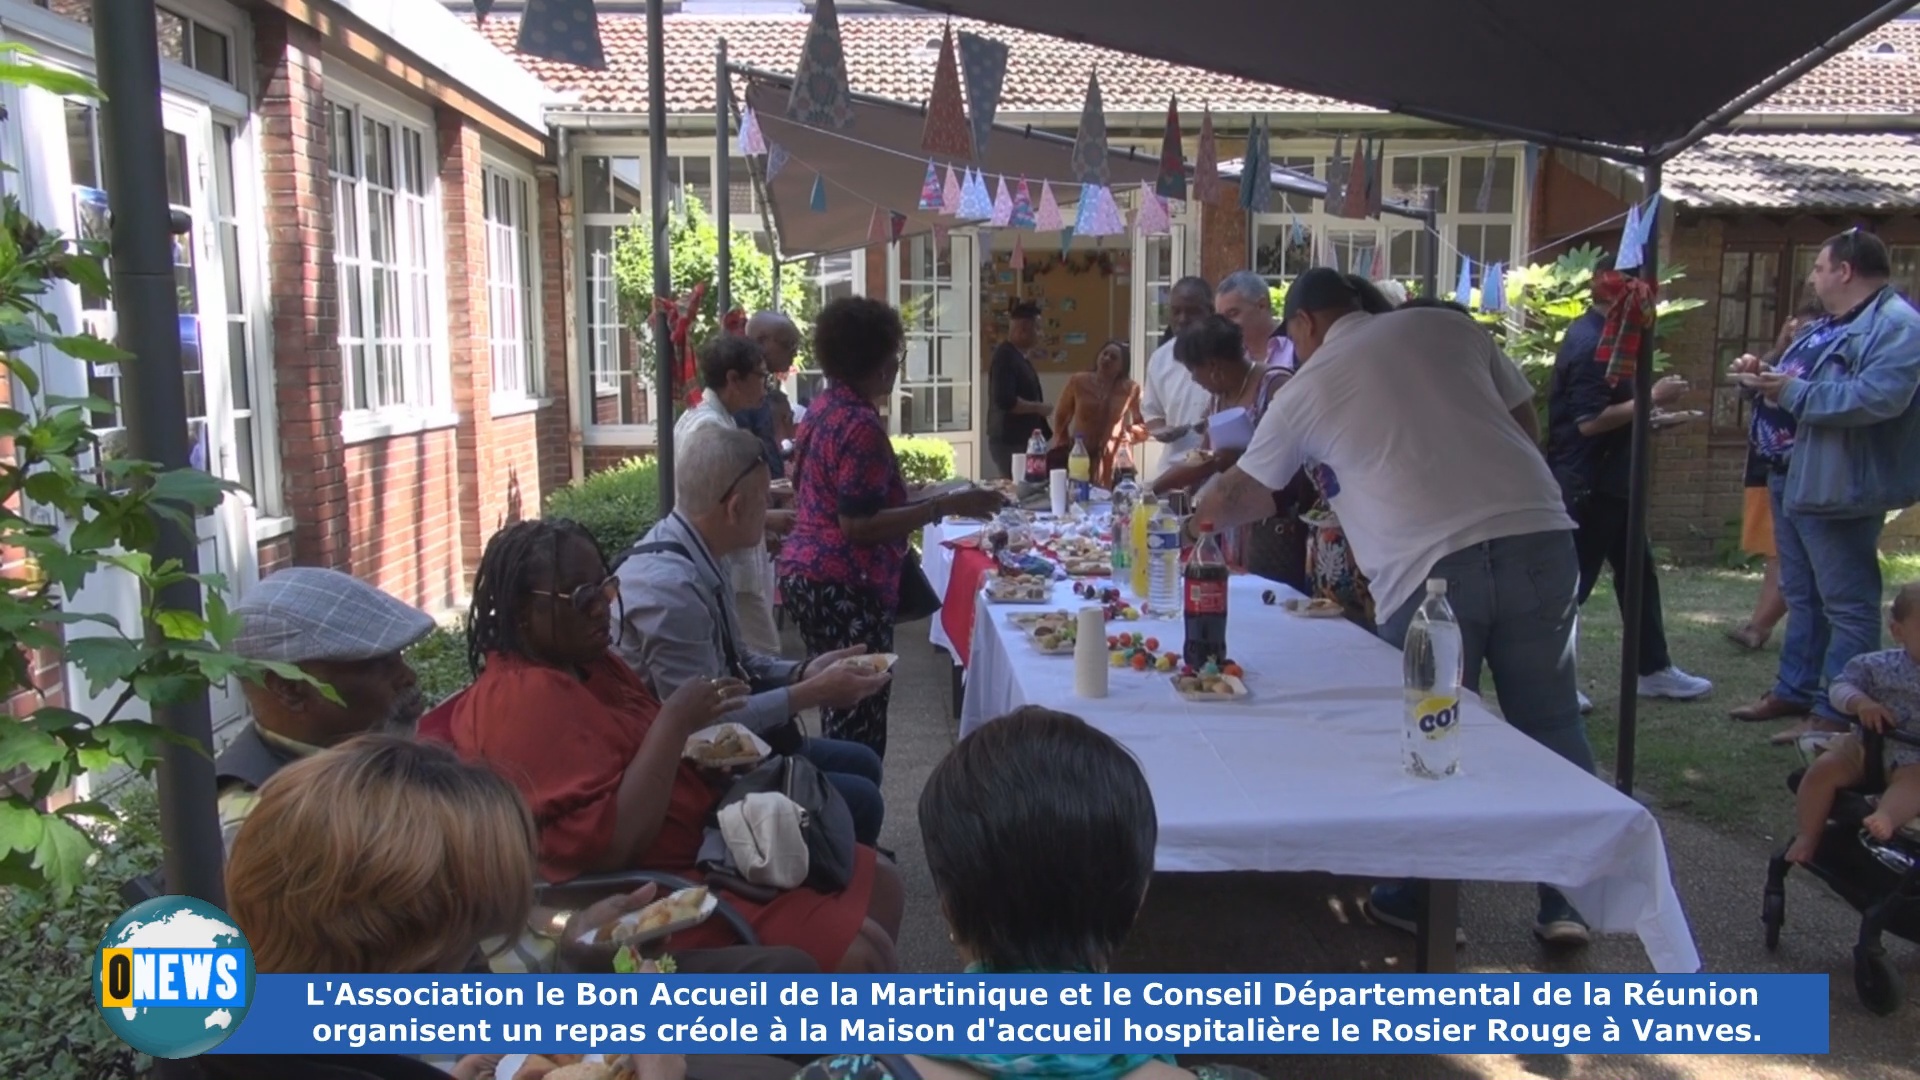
(598, 757)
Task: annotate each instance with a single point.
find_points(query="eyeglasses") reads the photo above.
(583, 598)
(751, 465)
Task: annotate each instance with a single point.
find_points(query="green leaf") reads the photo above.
(138, 742)
(62, 854)
(52, 80)
(52, 718)
(181, 625)
(106, 660)
(20, 826)
(191, 486)
(98, 811)
(92, 349)
(24, 745)
(222, 624)
(88, 272)
(169, 688)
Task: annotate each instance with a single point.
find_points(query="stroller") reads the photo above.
(1880, 879)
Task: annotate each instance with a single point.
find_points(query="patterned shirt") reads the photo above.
(1772, 430)
(1892, 678)
(844, 465)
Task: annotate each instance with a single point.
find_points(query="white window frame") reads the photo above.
(1448, 220)
(958, 370)
(519, 241)
(428, 328)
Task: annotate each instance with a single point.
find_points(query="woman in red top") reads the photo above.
(598, 757)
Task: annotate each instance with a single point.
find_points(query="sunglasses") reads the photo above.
(584, 597)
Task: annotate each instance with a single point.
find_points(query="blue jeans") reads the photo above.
(854, 771)
(1515, 598)
(1830, 578)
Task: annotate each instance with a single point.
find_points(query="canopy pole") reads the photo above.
(1633, 602)
(125, 41)
(722, 185)
(1429, 251)
(663, 353)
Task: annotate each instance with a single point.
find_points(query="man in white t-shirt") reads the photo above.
(1171, 403)
(1409, 422)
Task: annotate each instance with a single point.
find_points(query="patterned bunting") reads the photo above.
(1172, 182)
(1353, 202)
(1047, 218)
(984, 62)
(1090, 164)
(896, 224)
(975, 203)
(1206, 162)
(1463, 289)
(950, 195)
(930, 195)
(752, 143)
(1336, 178)
(480, 9)
(1022, 206)
(1152, 218)
(818, 201)
(563, 30)
(821, 97)
(1066, 239)
(1002, 206)
(947, 130)
(1256, 178)
(1493, 288)
(1099, 215)
(777, 157)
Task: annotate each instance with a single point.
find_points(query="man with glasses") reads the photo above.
(733, 371)
(680, 624)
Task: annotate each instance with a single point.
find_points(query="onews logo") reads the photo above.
(1439, 716)
(174, 977)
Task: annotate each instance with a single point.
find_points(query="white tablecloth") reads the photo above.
(1306, 775)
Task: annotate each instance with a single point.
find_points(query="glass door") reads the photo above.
(1158, 261)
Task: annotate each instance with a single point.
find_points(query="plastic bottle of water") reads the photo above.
(1163, 566)
(1430, 747)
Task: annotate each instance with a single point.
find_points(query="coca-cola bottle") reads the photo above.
(1036, 460)
(1204, 583)
(1123, 466)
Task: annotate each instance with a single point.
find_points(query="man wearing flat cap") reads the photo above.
(341, 632)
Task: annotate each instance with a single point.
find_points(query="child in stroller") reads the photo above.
(1866, 850)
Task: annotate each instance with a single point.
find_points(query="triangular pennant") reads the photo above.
(1018, 260)
(1108, 217)
(1206, 162)
(818, 200)
(1463, 289)
(984, 63)
(1047, 218)
(1297, 233)
(1256, 177)
(1484, 197)
(1002, 206)
(1377, 268)
(1066, 239)
(480, 9)
(821, 96)
(1152, 218)
(1090, 146)
(1336, 178)
(1172, 182)
(1628, 257)
(1353, 201)
(777, 157)
(975, 203)
(950, 195)
(1531, 153)
(563, 30)
(1098, 214)
(877, 227)
(947, 130)
(1493, 289)
(1022, 206)
(930, 189)
(752, 143)
(896, 224)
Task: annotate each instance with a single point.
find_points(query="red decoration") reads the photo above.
(1631, 307)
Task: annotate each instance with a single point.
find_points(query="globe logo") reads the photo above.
(174, 977)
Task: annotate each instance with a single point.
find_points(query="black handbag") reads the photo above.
(917, 598)
(825, 821)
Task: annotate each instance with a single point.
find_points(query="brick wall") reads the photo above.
(469, 357)
(403, 510)
(1224, 243)
(556, 274)
(1696, 477)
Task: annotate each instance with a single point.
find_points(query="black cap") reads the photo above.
(1319, 289)
(1026, 309)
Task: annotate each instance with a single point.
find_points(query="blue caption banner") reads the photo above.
(1066, 1014)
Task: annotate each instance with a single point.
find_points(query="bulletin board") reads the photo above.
(1084, 300)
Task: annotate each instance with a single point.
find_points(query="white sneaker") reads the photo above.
(1586, 703)
(1674, 683)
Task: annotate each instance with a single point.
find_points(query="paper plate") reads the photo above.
(699, 742)
(1050, 650)
(513, 1063)
(874, 663)
(602, 935)
(1027, 620)
(1240, 691)
(1312, 609)
(1040, 594)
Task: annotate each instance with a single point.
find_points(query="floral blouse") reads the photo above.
(844, 464)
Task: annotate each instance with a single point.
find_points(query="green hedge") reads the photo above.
(924, 459)
(616, 505)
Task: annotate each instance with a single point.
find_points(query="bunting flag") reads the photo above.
(563, 30)
(1531, 154)
(1022, 206)
(821, 97)
(1047, 218)
(818, 200)
(1090, 165)
(1353, 195)
(1324, 255)
(1152, 218)
(896, 224)
(1066, 239)
(1463, 289)
(1206, 162)
(1256, 176)
(1296, 232)
(930, 194)
(1493, 288)
(1002, 206)
(1018, 260)
(1172, 182)
(947, 130)
(974, 200)
(777, 157)
(1628, 257)
(1377, 181)
(1377, 271)
(984, 63)
(951, 197)
(752, 143)
(1484, 197)
(1098, 214)
(480, 9)
(1336, 178)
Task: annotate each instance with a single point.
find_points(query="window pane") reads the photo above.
(696, 178)
(1473, 172)
(210, 53)
(1297, 204)
(342, 141)
(240, 370)
(627, 185)
(80, 11)
(82, 162)
(173, 35)
(596, 189)
(740, 186)
(176, 164)
(416, 178)
(1734, 268)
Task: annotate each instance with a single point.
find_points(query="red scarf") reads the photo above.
(1630, 305)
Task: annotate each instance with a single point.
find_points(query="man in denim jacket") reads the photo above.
(1837, 423)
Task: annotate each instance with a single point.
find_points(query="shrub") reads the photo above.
(441, 662)
(924, 459)
(616, 505)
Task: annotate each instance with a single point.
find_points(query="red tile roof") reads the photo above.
(1804, 172)
(893, 56)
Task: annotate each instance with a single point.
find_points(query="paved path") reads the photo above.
(1260, 923)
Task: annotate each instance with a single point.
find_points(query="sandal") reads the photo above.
(1748, 639)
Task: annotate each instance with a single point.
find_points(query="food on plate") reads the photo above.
(872, 663)
(1022, 588)
(1052, 637)
(1195, 457)
(1212, 681)
(1027, 620)
(1318, 607)
(685, 906)
(591, 1070)
(724, 745)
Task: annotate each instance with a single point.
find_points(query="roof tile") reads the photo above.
(1803, 172)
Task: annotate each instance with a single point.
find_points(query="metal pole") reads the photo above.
(723, 183)
(1430, 253)
(154, 405)
(664, 359)
(1633, 602)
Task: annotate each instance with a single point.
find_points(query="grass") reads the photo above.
(1689, 757)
